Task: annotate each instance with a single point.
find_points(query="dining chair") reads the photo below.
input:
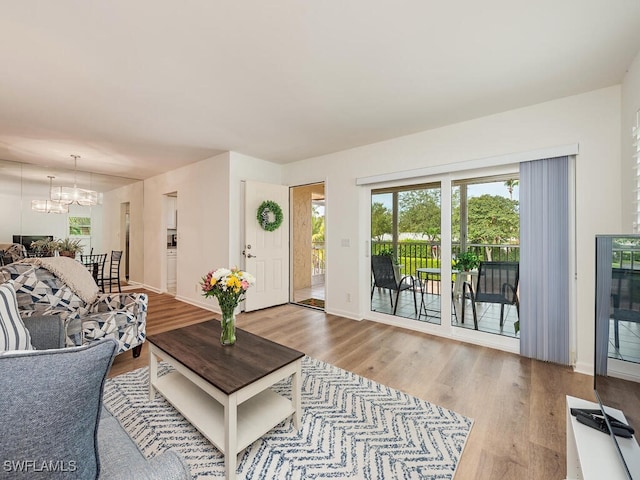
(112, 277)
(384, 277)
(95, 264)
(497, 282)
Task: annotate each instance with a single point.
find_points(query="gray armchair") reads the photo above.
(51, 414)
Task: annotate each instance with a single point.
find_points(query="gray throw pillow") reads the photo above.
(50, 403)
(13, 333)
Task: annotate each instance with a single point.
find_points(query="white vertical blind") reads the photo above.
(544, 260)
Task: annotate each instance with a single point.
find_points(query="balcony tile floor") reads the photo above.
(629, 342)
(488, 314)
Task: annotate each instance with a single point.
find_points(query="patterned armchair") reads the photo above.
(11, 252)
(88, 316)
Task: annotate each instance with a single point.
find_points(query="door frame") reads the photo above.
(446, 328)
(292, 288)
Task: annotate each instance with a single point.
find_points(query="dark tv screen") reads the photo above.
(617, 337)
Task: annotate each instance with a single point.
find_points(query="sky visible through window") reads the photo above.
(473, 190)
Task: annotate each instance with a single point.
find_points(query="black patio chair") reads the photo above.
(625, 299)
(384, 277)
(497, 283)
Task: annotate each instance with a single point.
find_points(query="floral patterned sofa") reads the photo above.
(63, 286)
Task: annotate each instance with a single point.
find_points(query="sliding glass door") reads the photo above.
(405, 250)
(485, 252)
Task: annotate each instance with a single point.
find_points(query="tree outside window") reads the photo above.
(80, 226)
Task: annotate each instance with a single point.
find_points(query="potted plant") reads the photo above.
(69, 247)
(389, 253)
(466, 261)
(44, 247)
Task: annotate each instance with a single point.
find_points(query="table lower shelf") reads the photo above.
(256, 416)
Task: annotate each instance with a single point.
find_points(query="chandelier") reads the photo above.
(69, 195)
(49, 206)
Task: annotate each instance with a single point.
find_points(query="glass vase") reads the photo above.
(228, 326)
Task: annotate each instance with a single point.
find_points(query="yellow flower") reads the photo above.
(234, 284)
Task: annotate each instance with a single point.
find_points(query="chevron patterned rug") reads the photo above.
(352, 428)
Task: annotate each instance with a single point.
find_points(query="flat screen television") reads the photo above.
(26, 240)
(616, 379)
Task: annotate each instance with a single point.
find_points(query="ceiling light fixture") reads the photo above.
(49, 206)
(69, 195)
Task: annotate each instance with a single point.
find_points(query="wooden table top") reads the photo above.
(228, 368)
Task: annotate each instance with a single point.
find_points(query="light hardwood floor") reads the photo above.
(518, 404)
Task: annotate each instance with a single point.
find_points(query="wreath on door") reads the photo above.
(269, 215)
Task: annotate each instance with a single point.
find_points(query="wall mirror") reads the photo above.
(21, 183)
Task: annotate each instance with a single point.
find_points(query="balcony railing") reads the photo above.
(626, 257)
(317, 258)
(414, 255)
(422, 254)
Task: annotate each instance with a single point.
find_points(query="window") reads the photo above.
(80, 226)
(405, 225)
(485, 226)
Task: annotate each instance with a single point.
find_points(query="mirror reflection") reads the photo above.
(618, 298)
(42, 203)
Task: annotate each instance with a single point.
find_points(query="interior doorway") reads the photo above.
(308, 240)
(171, 215)
(126, 220)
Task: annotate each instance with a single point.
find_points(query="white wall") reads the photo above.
(113, 231)
(10, 210)
(630, 105)
(592, 120)
(209, 219)
(203, 219)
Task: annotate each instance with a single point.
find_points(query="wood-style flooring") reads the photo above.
(518, 404)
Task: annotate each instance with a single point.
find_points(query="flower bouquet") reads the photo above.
(228, 286)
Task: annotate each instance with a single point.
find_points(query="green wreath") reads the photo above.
(269, 215)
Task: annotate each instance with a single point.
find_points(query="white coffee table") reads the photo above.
(224, 391)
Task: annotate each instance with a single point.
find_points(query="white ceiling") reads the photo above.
(139, 87)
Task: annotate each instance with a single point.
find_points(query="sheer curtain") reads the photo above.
(544, 259)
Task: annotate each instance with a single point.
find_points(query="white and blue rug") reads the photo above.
(352, 428)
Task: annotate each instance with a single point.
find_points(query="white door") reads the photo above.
(266, 253)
